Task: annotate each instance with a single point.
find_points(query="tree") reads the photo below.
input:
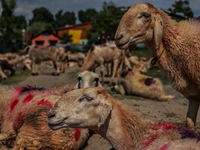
(6, 22)
(88, 15)
(38, 27)
(181, 7)
(63, 19)
(106, 20)
(42, 14)
(66, 38)
(20, 22)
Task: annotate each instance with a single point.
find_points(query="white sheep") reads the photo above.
(175, 46)
(125, 129)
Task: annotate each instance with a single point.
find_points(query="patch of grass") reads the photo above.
(73, 73)
(169, 115)
(157, 73)
(142, 52)
(17, 77)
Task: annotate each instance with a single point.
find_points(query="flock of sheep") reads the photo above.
(61, 117)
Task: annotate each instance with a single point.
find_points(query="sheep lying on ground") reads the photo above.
(23, 117)
(176, 48)
(135, 83)
(85, 79)
(79, 58)
(125, 129)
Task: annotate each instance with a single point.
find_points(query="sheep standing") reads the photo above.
(125, 129)
(176, 48)
(135, 83)
(99, 55)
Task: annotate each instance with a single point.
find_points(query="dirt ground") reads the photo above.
(173, 111)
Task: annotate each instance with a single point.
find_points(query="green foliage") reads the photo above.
(6, 22)
(66, 38)
(42, 14)
(38, 27)
(106, 20)
(182, 7)
(20, 22)
(88, 15)
(63, 19)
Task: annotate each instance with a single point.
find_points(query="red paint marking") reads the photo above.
(28, 98)
(45, 103)
(13, 104)
(77, 135)
(164, 147)
(152, 138)
(165, 126)
(19, 120)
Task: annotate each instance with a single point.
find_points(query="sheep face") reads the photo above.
(81, 108)
(88, 79)
(138, 25)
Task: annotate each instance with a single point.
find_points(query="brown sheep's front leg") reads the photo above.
(192, 113)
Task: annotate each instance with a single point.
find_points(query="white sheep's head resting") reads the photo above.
(88, 79)
(141, 23)
(81, 108)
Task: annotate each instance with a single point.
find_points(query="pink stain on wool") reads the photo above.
(164, 147)
(28, 98)
(45, 103)
(77, 135)
(13, 105)
(19, 120)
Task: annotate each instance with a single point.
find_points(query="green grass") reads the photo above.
(142, 52)
(16, 78)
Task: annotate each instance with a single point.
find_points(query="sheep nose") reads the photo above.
(117, 38)
(51, 114)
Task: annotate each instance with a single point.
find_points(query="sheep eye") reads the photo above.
(89, 98)
(79, 78)
(145, 15)
(96, 79)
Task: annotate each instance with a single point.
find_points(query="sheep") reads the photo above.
(44, 54)
(135, 83)
(98, 55)
(175, 47)
(124, 128)
(23, 117)
(85, 79)
(79, 58)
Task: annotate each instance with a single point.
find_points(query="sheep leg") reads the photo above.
(102, 71)
(192, 113)
(2, 74)
(33, 67)
(42, 67)
(116, 62)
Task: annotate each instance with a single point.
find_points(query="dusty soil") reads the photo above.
(173, 111)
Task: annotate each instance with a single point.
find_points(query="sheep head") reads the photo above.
(88, 79)
(140, 24)
(81, 108)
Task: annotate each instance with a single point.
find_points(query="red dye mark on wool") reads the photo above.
(45, 103)
(151, 140)
(28, 98)
(13, 105)
(17, 91)
(19, 120)
(77, 135)
(164, 147)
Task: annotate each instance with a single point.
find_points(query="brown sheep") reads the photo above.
(79, 58)
(37, 55)
(125, 129)
(135, 83)
(99, 55)
(175, 46)
(23, 117)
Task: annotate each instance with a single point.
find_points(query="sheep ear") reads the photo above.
(158, 33)
(104, 111)
(78, 85)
